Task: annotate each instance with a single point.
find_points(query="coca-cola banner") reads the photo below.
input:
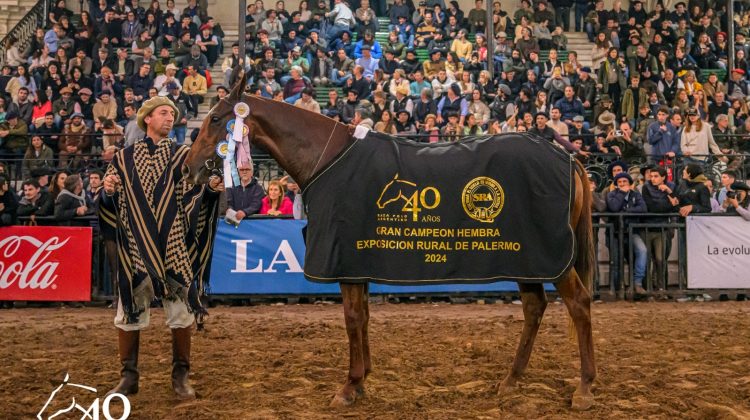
(45, 263)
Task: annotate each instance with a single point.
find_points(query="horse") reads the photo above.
(394, 191)
(303, 142)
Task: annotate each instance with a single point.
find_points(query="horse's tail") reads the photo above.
(585, 252)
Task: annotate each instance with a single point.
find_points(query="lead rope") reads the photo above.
(324, 152)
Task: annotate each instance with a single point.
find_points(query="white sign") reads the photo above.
(718, 252)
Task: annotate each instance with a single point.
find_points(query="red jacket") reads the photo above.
(286, 206)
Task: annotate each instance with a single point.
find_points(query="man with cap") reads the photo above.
(541, 129)
(74, 136)
(106, 107)
(738, 200)
(453, 103)
(368, 63)
(160, 225)
(502, 106)
(579, 131)
(402, 101)
(737, 87)
(63, 107)
(624, 198)
(182, 104)
(169, 76)
(14, 138)
(434, 65)
(388, 64)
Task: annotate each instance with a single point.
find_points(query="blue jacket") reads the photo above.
(620, 202)
(569, 109)
(663, 141)
(375, 50)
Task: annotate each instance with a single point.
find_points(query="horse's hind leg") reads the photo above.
(355, 316)
(364, 327)
(534, 303)
(578, 301)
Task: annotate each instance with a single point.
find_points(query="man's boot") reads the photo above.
(128, 344)
(181, 362)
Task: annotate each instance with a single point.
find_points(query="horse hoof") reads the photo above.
(506, 386)
(339, 401)
(582, 402)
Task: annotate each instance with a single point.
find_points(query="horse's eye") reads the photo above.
(214, 119)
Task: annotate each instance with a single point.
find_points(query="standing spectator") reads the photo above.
(246, 198)
(626, 199)
(696, 139)
(181, 102)
(612, 77)
(343, 19)
(692, 194)
(658, 193)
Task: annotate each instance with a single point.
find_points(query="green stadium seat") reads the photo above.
(704, 73)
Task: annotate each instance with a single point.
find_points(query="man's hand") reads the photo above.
(684, 211)
(216, 183)
(80, 211)
(240, 215)
(670, 154)
(674, 200)
(665, 188)
(111, 182)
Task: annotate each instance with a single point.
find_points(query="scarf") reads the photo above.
(80, 198)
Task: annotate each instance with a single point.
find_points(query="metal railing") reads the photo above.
(25, 29)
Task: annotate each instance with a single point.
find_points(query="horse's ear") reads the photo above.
(239, 89)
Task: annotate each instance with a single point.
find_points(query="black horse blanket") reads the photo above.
(482, 209)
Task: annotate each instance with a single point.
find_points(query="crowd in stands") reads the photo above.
(658, 89)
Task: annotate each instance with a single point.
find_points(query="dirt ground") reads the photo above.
(437, 361)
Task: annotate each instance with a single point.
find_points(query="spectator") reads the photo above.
(276, 203)
(38, 157)
(14, 139)
(246, 198)
(22, 81)
(208, 44)
(569, 105)
(663, 137)
(696, 139)
(306, 101)
(625, 199)
(182, 102)
(738, 202)
(35, 201)
(693, 195)
(658, 194)
(728, 178)
(556, 122)
(161, 82)
(195, 89)
(105, 108)
(386, 124)
(132, 133)
(72, 202)
(8, 202)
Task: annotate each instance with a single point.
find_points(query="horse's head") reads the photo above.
(393, 191)
(202, 161)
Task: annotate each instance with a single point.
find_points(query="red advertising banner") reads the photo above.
(45, 263)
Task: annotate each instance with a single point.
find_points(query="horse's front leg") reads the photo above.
(355, 315)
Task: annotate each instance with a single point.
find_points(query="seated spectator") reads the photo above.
(738, 200)
(208, 44)
(307, 101)
(38, 156)
(247, 198)
(35, 201)
(276, 203)
(195, 88)
(8, 202)
(14, 137)
(72, 202)
(41, 108)
(181, 101)
(404, 125)
(294, 85)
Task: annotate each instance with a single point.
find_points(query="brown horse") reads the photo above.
(303, 142)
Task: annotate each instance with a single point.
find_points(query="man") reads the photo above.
(728, 178)
(63, 107)
(737, 88)
(557, 124)
(156, 253)
(81, 60)
(95, 186)
(246, 198)
(626, 199)
(669, 85)
(35, 201)
(434, 65)
(306, 101)
(569, 105)
(663, 137)
(718, 106)
(106, 107)
(132, 132)
(182, 104)
(196, 88)
(342, 17)
(425, 31)
(169, 76)
(579, 132)
(368, 63)
(22, 106)
(452, 103)
(541, 129)
(14, 138)
(48, 131)
(141, 82)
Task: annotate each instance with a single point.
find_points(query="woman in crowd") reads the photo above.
(681, 101)
(53, 80)
(692, 195)
(611, 76)
(464, 82)
(72, 202)
(77, 80)
(740, 114)
(304, 11)
(696, 139)
(41, 107)
(38, 155)
(22, 79)
(430, 129)
(486, 85)
(739, 203)
(386, 124)
(13, 56)
(540, 103)
(453, 65)
(276, 203)
(473, 127)
(478, 108)
(57, 184)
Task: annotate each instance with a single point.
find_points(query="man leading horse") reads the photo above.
(163, 224)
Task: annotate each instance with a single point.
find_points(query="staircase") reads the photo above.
(579, 42)
(11, 11)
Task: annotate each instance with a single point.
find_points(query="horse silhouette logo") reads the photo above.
(58, 407)
(415, 199)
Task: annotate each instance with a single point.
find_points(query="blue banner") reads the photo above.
(266, 257)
